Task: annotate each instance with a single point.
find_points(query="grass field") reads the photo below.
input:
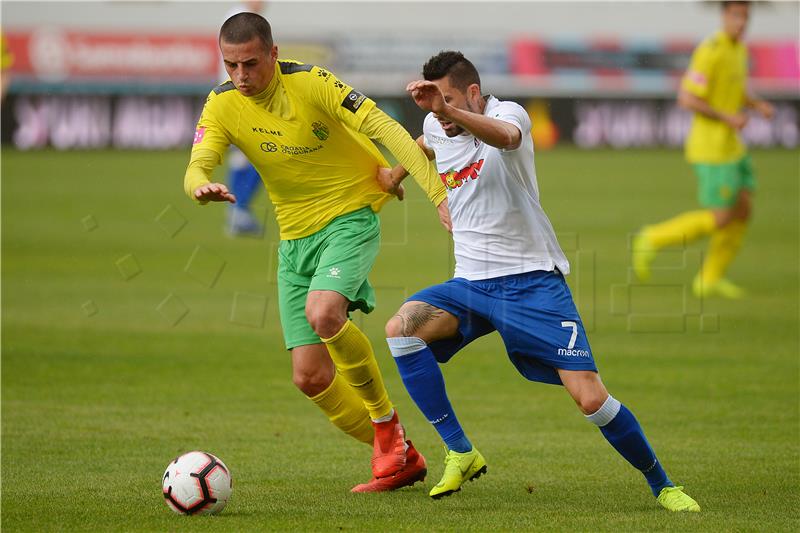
(134, 330)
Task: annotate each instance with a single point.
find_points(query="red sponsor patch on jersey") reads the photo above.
(697, 77)
(199, 133)
(453, 179)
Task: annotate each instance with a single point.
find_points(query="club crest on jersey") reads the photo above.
(453, 179)
(320, 130)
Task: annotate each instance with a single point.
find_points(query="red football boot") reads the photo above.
(415, 470)
(389, 450)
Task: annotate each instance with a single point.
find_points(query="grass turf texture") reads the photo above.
(103, 382)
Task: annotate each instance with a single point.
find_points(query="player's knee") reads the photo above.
(325, 321)
(312, 381)
(743, 210)
(724, 217)
(394, 327)
(591, 403)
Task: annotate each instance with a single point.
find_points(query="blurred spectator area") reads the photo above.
(577, 66)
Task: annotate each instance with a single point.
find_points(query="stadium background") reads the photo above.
(133, 330)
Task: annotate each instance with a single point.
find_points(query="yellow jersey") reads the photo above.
(301, 134)
(718, 74)
(6, 57)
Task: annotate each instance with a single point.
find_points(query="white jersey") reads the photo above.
(499, 227)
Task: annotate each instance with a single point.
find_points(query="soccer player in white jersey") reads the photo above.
(509, 278)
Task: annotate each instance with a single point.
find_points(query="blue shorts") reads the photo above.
(533, 312)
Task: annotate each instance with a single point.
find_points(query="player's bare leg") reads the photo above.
(623, 432)
(408, 333)
(355, 362)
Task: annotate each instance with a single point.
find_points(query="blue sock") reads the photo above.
(244, 183)
(623, 432)
(425, 384)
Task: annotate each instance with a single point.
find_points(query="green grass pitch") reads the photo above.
(134, 330)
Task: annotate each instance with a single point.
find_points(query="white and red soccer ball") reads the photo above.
(197, 483)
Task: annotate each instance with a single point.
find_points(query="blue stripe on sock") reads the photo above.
(425, 384)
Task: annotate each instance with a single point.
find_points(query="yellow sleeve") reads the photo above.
(381, 127)
(210, 133)
(7, 57)
(701, 69)
(338, 99)
(198, 173)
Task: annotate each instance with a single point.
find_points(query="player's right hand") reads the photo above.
(427, 95)
(214, 192)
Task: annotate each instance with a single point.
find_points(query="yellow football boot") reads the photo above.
(459, 468)
(674, 499)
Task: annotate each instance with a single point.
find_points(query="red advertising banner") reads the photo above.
(53, 55)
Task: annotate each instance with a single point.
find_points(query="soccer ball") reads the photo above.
(197, 483)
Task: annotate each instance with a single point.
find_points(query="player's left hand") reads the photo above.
(389, 184)
(765, 109)
(427, 96)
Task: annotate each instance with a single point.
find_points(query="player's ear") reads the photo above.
(474, 92)
(273, 54)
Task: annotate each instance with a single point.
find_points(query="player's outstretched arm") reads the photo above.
(695, 104)
(391, 182)
(492, 131)
(197, 180)
(391, 179)
(379, 126)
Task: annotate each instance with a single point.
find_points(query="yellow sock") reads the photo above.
(345, 410)
(725, 243)
(685, 227)
(352, 354)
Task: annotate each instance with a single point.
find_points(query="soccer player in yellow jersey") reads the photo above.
(714, 89)
(6, 60)
(308, 134)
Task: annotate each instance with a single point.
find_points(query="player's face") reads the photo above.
(734, 19)
(467, 100)
(250, 65)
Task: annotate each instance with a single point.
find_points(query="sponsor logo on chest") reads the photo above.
(267, 131)
(453, 179)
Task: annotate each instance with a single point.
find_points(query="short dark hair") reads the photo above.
(244, 27)
(450, 63)
(727, 3)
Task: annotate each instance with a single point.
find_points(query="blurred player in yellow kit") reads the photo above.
(308, 135)
(6, 61)
(714, 88)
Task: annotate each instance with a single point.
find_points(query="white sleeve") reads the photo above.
(515, 114)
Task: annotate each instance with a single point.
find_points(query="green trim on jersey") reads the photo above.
(719, 184)
(337, 258)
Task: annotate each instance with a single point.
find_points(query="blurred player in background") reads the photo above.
(509, 277)
(243, 178)
(715, 90)
(6, 60)
(308, 134)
